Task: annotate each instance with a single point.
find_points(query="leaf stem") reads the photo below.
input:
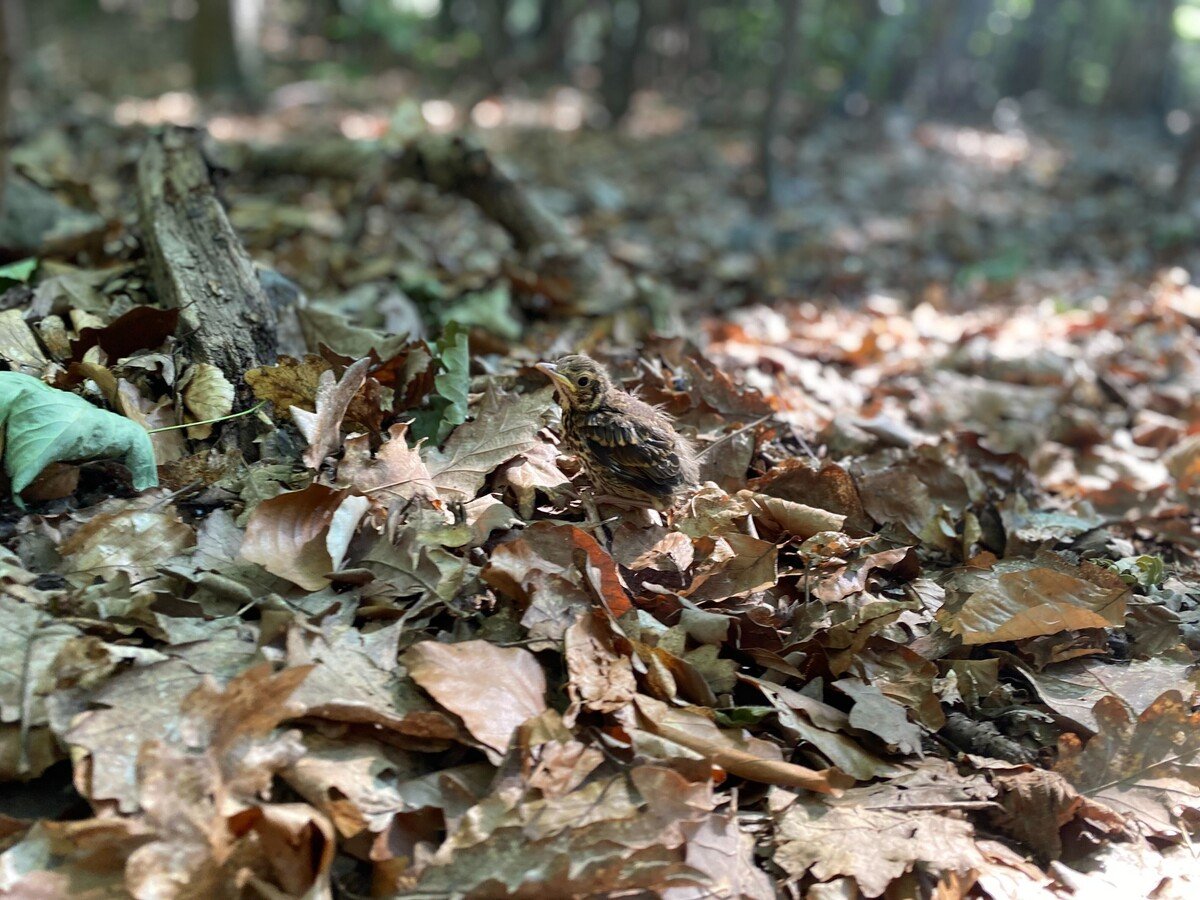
(245, 412)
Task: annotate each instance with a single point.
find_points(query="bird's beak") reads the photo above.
(550, 370)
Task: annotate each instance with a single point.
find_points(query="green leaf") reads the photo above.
(490, 310)
(1147, 571)
(449, 405)
(43, 425)
(19, 271)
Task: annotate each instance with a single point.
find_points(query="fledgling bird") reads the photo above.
(628, 448)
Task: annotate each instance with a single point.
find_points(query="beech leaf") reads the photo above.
(44, 425)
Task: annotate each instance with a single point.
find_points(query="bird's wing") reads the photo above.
(633, 451)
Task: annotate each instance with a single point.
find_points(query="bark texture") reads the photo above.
(197, 261)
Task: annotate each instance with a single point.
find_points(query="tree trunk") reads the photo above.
(944, 82)
(625, 44)
(197, 262)
(1026, 65)
(226, 56)
(6, 67)
(1141, 74)
(768, 156)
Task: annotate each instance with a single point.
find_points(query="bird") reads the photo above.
(629, 449)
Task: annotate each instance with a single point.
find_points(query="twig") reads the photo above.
(245, 412)
(724, 439)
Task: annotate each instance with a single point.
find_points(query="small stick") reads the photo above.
(244, 412)
(729, 437)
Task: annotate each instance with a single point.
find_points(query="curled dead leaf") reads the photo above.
(303, 535)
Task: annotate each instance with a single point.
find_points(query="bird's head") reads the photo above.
(580, 380)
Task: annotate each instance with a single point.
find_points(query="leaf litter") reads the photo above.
(929, 627)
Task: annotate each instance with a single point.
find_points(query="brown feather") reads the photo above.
(628, 448)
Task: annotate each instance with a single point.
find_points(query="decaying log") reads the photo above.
(576, 275)
(198, 262)
(565, 268)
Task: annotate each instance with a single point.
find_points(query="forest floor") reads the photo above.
(929, 628)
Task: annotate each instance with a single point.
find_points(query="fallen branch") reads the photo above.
(198, 262)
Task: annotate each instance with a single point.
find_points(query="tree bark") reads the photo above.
(224, 48)
(6, 67)
(1026, 65)
(768, 160)
(1139, 77)
(624, 51)
(197, 262)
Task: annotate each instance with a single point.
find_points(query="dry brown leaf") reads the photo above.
(743, 565)
(673, 553)
(396, 471)
(18, 346)
(873, 846)
(827, 487)
(303, 535)
(356, 679)
(168, 445)
(353, 781)
(791, 518)
(535, 470)
(142, 705)
(322, 429)
(1183, 462)
(599, 678)
(563, 552)
(1143, 767)
(746, 757)
(1021, 599)
(207, 394)
(290, 382)
(717, 847)
(132, 540)
(504, 426)
(492, 689)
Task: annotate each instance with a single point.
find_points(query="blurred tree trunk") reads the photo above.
(1036, 40)
(226, 56)
(768, 157)
(497, 43)
(552, 34)
(1140, 77)
(626, 41)
(6, 68)
(944, 82)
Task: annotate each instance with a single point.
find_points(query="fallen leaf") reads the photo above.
(1144, 767)
(142, 328)
(130, 540)
(599, 678)
(43, 425)
(749, 758)
(303, 535)
(746, 564)
(207, 394)
(492, 689)
(395, 471)
(504, 426)
(322, 429)
(875, 847)
(1020, 599)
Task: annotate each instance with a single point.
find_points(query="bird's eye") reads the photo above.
(583, 381)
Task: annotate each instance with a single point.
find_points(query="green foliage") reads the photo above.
(448, 407)
(43, 425)
(18, 272)
(1147, 571)
(490, 309)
